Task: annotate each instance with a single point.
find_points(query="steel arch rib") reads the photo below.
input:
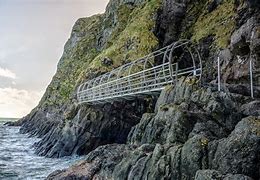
(115, 85)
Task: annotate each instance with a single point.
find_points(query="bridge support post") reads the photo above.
(251, 77)
(176, 71)
(219, 85)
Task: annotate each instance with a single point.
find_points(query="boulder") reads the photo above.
(194, 156)
(239, 152)
(99, 164)
(251, 109)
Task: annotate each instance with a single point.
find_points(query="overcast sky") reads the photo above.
(32, 36)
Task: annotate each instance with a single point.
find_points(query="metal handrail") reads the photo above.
(115, 84)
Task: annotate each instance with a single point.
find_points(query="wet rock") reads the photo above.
(189, 131)
(15, 123)
(39, 123)
(90, 128)
(99, 164)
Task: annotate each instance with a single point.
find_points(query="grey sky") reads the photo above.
(33, 33)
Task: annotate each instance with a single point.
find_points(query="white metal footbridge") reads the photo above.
(145, 76)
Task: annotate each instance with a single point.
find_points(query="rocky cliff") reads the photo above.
(191, 131)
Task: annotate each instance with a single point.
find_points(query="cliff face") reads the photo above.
(190, 128)
(123, 33)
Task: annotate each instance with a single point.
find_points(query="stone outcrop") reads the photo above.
(90, 128)
(193, 129)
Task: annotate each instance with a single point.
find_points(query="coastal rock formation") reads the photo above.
(194, 129)
(191, 131)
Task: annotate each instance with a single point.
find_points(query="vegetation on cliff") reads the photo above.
(191, 128)
(128, 36)
(219, 22)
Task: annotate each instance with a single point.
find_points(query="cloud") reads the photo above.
(7, 73)
(17, 103)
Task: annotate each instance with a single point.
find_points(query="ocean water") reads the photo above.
(17, 158)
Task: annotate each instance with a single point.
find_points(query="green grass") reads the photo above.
(219, 23)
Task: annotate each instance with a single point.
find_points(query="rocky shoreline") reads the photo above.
(194, 132)
(191, 131)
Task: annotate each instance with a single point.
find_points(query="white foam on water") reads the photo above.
(18, 161)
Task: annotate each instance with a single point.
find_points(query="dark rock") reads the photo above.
(15, 123)
(107, 62)
(177, 95)
(236, 177)
(189, 131)
(213, 5)
(99, 164)
(98, 125)
(239, 152)
(240, 39)
(216, 175)
(243, 89)
(170, 19)
(209, 128)
(208, 175)
(253, 3)
(194, 156)
(168, 126)
(251, 109)
(39, 123)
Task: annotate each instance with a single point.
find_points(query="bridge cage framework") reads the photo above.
(145, 76)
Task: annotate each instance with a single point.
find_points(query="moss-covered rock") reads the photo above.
(219, 23)
(126, 32)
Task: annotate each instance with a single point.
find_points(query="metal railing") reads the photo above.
(144, 76)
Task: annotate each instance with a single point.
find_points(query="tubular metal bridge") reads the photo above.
(145, 76)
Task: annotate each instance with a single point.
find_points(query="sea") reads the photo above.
(18, 160)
